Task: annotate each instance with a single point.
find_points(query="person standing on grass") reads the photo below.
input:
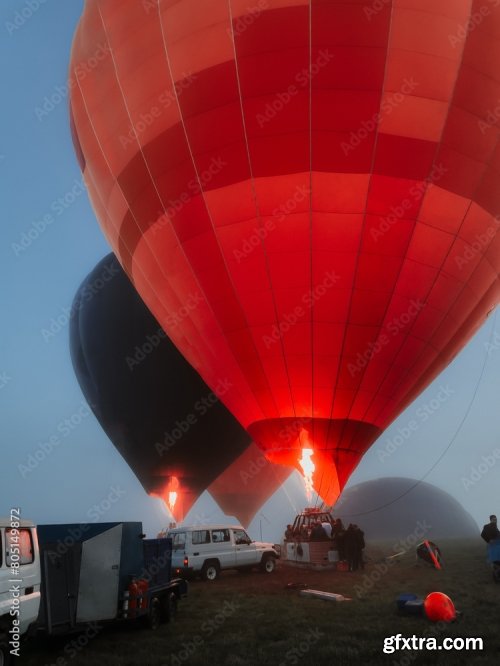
(360, 545)
(490, 530)
(351, 547)
(339, 538)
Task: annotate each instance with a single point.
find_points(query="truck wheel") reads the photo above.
(210, 571)
(169, 607)
(268, 564)
(5, 656)
(153, 620)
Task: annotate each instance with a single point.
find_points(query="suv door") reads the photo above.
(178, 549)
(201, 548)
(222, 548)
(246, 552)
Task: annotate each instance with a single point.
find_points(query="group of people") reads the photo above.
(348, 542)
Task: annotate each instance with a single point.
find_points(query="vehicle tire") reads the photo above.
(268, 564)
(210, 571)
(5, 656)
(169, 607)
(153, 618)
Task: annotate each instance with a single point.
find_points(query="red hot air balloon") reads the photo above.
(305, 194)
(247, 484)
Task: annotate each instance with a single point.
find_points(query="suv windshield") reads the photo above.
(241, 537)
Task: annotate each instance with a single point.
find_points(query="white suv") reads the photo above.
(208, 549)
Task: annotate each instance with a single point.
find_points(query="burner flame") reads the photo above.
(308, 468)
(172, 499)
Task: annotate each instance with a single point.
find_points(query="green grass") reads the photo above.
(251, 619)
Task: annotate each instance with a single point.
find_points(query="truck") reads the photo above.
(78, 576)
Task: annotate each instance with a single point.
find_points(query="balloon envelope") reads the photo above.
(166, 423)
(247, 484)
(305, 194)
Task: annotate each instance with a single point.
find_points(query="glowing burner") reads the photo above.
(172, 499)
(308, 468)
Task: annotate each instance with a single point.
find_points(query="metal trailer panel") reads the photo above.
(158, 561)
(59, 587)
(132, 561)
(100, 576)
(62, 539)
(68, 533)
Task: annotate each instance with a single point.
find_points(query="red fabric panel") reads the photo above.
(323, 177)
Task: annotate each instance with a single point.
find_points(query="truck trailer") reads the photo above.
(74, 576)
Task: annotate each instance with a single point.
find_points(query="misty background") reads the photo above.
(50, 240)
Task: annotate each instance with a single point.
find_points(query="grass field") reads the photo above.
(252, 619)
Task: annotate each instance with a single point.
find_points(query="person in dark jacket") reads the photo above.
(490, 530)
(351, 545)
(318, 532)
(339, 538)
(360, 545)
